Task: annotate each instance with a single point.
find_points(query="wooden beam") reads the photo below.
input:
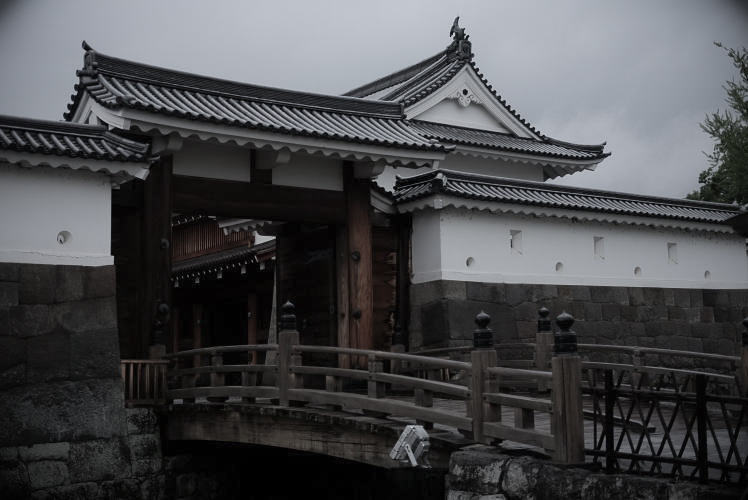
(258, 201)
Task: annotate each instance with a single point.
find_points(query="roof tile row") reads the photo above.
(471, 186)
(69, 139)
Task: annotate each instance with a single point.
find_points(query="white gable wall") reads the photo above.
(449, 111)
(475, 246)
(54, 216)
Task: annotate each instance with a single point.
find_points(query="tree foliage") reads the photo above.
(726, 179)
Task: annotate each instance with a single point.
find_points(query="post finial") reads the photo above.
(288, 316)
(565, 341)
(482, 336)
(544, 324)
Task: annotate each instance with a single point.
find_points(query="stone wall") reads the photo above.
(443, 312)
(488, 473)
(63, 424)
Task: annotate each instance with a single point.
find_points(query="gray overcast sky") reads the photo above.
(639, 74)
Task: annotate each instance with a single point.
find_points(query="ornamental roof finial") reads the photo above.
(456, 31)
(460, 46)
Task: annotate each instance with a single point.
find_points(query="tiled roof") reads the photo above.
(413, 83)
(449, 134)
(223, 260)
(416, 82)
(492, 189)
(69, 140)
(115, 83)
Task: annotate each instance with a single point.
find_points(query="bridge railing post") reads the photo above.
(217, 378)
(288, 337)
(482, 357)
(543, 346)
(743, 368)
(567, 422)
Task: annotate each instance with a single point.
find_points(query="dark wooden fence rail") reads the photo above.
(144, 381)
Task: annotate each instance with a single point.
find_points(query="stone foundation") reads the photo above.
(64, 431)
(483, 473)
(443, 312)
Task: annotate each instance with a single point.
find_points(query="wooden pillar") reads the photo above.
(252, 325)
(743, 370)
(288, 337)
(197, 330)
(567, 423)
(156, 239)
(543, 346)
(358, 224)
(481, 358)
(176, 330)
(343, 300)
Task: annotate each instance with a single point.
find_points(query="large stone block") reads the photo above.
(14, 479)
(100, 460)
(94, 314)
(12, 352)
(47, 473)
(434, 322)
(30, 320)
(611, 312)
(45, 451)
(78, 491)
(37, 284)
(486, 292)
(574, 293)
(424, 293)
(9, 271)
(93, 354)
(48, 356)
(142, 421)
(612, 294)
(682, 297)
(145, 445)
(69, 283)
(62, 411)
(8, 294)
(517, 293)
(100, 282)
(527, 311)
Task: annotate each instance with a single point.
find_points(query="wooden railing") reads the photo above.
(464, 395)
(469, 389)
(144, 381)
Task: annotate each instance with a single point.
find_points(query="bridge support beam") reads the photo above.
(355, 438)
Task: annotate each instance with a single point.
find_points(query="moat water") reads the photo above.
(262, 473)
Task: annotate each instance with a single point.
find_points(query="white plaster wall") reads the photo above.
(37, 204)
(309, 172)
(218, 161)
(475, 246)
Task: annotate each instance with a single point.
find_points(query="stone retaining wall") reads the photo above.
(483, 473)
(442, 314)
(63, 425)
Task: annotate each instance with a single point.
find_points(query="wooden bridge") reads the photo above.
(632, 415)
